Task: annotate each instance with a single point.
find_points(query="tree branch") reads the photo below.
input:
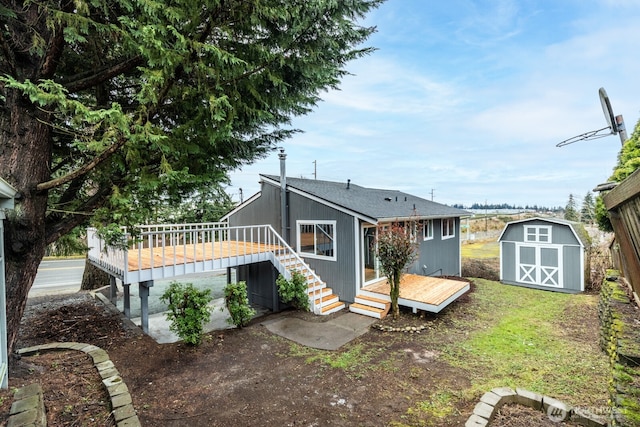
(83, 170)
(103, 75)
(55, 230)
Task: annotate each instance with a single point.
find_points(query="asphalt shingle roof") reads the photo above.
(372, 202)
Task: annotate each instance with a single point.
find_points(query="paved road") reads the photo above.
(59, 276)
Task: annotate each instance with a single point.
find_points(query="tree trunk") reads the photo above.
(25, 155)
(93, 277)
(394, 293)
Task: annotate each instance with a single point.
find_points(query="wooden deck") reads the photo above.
(156, 257)
(421, 292)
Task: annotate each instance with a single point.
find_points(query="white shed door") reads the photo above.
(539, 265)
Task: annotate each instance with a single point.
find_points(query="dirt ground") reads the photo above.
(240, 377)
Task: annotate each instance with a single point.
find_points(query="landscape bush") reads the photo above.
(294, 291)
(486, 268)
(237, 302)
(188, 311)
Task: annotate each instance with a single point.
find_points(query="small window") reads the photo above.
(537, 234)
(427, 229)
(316, 239)
(448, 228)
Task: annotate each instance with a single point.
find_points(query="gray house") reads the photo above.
(333, 225)
(545, 253)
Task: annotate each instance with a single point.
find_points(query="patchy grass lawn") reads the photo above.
(511, 336)
(481, 249)
(497, 336)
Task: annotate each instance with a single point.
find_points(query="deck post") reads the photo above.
(113, 290)
(127, 300)
(143, 290)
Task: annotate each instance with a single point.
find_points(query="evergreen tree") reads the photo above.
(109, 105)
(571, 210)
(587, 213)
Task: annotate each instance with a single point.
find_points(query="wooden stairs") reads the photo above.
(319, 294)
(370, 306)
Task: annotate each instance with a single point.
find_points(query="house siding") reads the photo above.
(261, 211)
(339, 275)
(440, 256)
(261, 287)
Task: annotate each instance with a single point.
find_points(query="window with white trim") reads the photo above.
(427, 229)
(537, 233)
(448, 228)
(316, 239)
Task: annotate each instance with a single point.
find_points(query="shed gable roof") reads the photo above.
(375, 203)
(576, 227)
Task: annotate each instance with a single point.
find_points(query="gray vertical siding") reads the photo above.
(339, 275)
(508, 261)
(441, 257)
(261, 211)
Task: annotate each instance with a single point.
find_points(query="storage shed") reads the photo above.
(545, 253)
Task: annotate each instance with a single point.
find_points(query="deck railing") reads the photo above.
(177, 249)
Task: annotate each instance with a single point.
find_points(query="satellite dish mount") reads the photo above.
(615, 124)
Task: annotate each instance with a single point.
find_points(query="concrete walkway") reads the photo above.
(329, 335)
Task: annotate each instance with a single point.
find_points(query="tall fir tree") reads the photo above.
(571, 210)
(588, 210)
(107, 105)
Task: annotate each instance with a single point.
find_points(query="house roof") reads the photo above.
(577, 227)
(374, 203)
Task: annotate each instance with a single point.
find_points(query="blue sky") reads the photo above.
(468, 99)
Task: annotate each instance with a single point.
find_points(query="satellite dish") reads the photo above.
(607, 110)
(611, 129)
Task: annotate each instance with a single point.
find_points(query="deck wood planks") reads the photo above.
(425, 289)
(141, 259)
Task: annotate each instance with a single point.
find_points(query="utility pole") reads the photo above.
(315, 169)
(432, 190)
(240, 190)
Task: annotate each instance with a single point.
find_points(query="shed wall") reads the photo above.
(561, 235)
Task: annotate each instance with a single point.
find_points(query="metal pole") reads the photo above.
(622, 131)
(283, 194)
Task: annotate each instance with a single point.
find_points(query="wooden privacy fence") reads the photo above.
(623, 204)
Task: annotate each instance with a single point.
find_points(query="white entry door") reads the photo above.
(539, 265)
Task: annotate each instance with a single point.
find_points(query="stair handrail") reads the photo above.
(288, 251)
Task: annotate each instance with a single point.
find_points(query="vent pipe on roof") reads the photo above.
(283, 194)
(348, 183)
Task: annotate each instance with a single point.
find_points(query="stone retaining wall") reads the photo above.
(121, 403)
(620, 339)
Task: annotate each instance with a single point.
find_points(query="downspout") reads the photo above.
(283, 196)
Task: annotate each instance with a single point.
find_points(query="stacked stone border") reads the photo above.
(491, 401)
(27, 408)
(121, 403)
(620, 339)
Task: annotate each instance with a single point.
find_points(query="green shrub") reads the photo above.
(294, 291)
(188, 311)
(237, 301)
